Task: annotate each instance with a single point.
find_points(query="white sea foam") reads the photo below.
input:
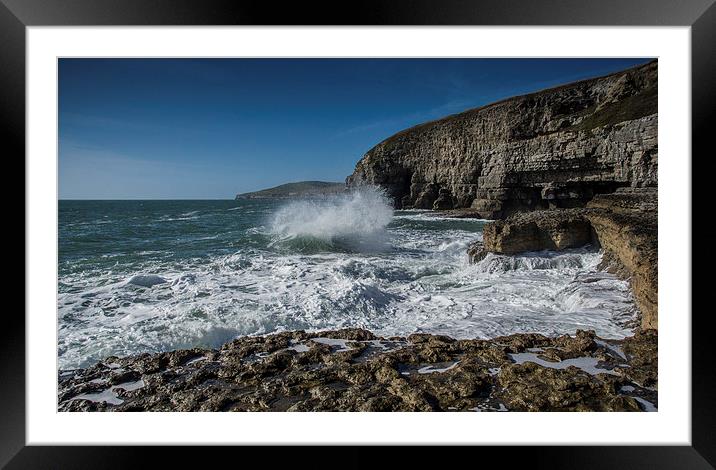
(420, 282)
(422, 215)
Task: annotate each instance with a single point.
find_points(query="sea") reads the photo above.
(157, 275)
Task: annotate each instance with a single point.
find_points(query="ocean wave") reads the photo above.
(430, 216)
(571, 260)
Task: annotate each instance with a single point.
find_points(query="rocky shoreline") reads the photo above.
(354, 370)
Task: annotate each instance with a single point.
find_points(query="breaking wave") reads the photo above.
(351, 222)
(573, 259)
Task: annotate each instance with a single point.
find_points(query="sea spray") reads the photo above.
(355, 221)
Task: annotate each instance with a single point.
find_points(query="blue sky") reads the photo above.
(211, 128)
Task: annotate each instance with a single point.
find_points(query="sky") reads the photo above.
(212, 128)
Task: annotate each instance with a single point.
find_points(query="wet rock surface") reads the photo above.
(353, 370)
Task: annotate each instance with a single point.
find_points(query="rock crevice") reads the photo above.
(623, 224)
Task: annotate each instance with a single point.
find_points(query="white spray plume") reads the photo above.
(362, 213)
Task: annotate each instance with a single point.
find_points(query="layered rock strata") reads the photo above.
(550, 149)
(353, 370)
(623, 224)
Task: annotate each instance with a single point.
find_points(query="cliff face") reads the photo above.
(554, 148)
(627, 229)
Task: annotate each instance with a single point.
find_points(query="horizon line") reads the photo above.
(147, 199)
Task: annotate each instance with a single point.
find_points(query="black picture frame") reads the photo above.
(16, 15)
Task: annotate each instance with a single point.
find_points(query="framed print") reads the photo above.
(247, 226)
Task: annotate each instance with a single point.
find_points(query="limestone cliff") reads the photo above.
(554, 148)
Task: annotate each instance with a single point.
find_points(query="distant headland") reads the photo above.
(296, 190)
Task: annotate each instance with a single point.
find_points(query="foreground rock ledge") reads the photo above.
(353, 370)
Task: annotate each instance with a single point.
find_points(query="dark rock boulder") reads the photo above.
(539, 230)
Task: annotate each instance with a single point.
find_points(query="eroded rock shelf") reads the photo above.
(353, 370)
